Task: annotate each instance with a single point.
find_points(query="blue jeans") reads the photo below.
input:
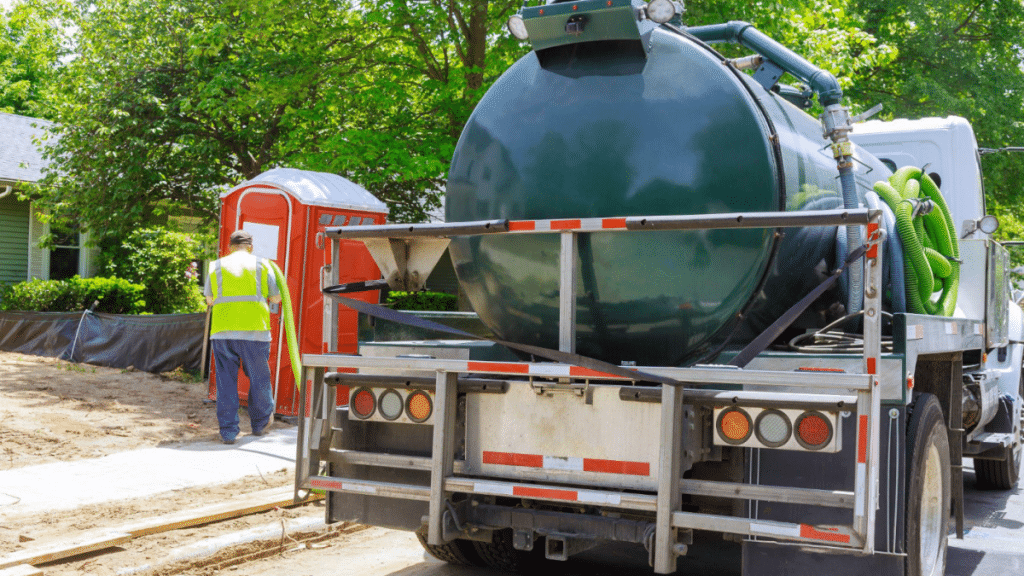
(254, 357)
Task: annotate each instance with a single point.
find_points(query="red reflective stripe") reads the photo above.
(617, 467)
(872, 366)
(498, 367)
(512, 459)
(873, 249)
(810, 532)
(815, 369)
(332, 484)
(613, 223)
(521, 225)
(529, 492)
(584, 372)
(565, 224)
(862, 440)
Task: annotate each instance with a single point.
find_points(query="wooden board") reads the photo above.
(21, 570)
(84, 543)
(48, 551)
(239, 506)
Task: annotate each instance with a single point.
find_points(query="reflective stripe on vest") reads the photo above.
(235, 306)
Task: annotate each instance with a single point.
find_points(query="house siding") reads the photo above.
(14, 224)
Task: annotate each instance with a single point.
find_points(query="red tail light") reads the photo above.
(363, 403)
(813, 430)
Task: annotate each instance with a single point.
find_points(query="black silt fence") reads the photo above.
(151, 343)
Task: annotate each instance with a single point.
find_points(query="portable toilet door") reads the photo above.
(285, 209)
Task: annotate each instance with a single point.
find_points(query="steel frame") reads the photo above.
(665, 504)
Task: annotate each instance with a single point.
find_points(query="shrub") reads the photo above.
(115, 295)
(422, 301)
(165, 263)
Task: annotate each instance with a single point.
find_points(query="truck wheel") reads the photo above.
(928, 489)
(459, 552)
(1003, 474)
(501, 555)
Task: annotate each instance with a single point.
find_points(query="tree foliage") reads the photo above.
(430, 63)
(32, 41)
(170, 101)
(167, 102)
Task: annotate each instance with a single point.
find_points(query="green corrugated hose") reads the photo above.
(289, 324)
(930, 248)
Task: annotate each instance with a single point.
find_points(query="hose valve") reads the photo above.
(836, 122)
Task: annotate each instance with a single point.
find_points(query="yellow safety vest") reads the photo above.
(240, 302)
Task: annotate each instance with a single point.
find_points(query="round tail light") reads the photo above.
(734, 425)
(390, 405)
(773, 428)
(419, 406)
(363, 403)
(813, 430)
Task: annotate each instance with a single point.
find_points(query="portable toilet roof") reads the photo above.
(316, 189)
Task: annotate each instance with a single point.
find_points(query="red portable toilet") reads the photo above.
(285, 209)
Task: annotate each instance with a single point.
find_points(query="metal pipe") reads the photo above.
(824, 84)
(836, 217)
(433, 229)
(6, 191)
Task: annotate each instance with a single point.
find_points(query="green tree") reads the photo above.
(964, 58)
(167, 102)
(430, 64)
(32, 42)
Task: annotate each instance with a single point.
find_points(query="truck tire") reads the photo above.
(501, 555)
(1003, 474)
(460, 552)
(928, 489)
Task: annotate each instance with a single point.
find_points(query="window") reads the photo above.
(64, 256)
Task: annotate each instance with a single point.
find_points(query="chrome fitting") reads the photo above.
(836, 122)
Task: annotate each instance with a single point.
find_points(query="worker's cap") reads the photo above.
(240, 237)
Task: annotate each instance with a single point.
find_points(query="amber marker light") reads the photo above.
(734, 425)
(419, 406)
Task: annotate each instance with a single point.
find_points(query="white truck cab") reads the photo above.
(945, 147)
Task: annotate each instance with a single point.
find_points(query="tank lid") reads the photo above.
(562, 23)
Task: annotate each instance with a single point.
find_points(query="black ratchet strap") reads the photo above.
(554, 355)
(759, 344)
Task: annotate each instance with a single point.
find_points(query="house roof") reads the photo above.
(20, 158)
(317, 189)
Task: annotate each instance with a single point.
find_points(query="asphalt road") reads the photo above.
(993, 546)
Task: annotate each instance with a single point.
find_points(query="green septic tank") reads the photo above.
(609, 128)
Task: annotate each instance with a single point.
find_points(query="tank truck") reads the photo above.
(710, 313)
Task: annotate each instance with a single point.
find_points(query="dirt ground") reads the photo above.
(51, 410)
(54, 410)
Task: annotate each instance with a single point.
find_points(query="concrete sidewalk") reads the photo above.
(140, 473)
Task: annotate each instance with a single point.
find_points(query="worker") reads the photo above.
(238, 287)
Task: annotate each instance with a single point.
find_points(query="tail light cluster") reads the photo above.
(391, 405)
(784, 429)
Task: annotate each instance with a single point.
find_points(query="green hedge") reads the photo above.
(115, 296)
(423, 301)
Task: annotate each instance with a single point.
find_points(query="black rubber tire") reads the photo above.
(1003, 474)
(460, 552)
(927, 518)
(501, 555)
